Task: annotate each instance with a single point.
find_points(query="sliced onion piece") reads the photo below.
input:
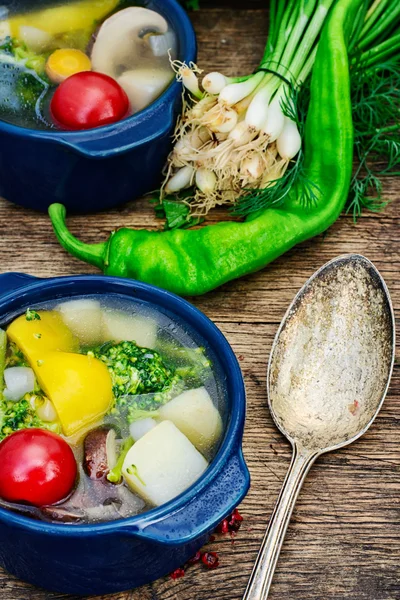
(139, 428)
(36, 39)
(19, 381)
(46, 411)
(163, 44)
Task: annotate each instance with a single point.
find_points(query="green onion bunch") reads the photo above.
(239, 140)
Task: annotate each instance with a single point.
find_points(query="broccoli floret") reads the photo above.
(29, 89)
(21, 92)
(19, 50)
(15, 357)
(137, 371)
(32, 315)
(141, 379)
(23, 81)
(20, 415)
(191, 364)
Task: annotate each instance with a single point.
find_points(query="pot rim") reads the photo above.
(187, 38)
(232, 441)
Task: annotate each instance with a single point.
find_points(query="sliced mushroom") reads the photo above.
(143, 86)
(63, 514)
(122, 43)
(100, 452)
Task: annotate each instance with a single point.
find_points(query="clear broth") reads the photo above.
(97, 500)
(25, 95)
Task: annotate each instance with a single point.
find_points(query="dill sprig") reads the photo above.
(376, 113)
(275, 195)
(375, 96)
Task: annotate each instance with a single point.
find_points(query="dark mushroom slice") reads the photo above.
(63, 514)
(100, 452)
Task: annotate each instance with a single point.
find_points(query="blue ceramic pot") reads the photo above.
(94, 170)
(120, 555)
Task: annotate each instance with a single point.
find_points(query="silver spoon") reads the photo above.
(328, 375)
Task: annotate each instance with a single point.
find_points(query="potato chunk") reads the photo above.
(162, 464)
(195, 415)
(120, 326)
(84, 318)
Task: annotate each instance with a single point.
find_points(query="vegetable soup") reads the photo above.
(82, 64)
(107, 408)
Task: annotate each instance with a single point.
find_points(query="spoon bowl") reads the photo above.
(333, 355)
(328, 375)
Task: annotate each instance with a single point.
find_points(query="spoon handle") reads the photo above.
(264, 568)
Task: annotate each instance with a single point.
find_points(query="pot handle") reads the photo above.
(203, 512)
(10, 282)
(119, 140)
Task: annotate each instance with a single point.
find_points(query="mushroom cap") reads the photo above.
(119, 43)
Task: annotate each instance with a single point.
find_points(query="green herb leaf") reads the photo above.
(191, 4)
(115, 475)
(375, 101)
(133, 470)
(137, 414)
(176, 214)
(32, 315)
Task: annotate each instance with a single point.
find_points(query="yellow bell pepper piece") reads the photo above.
(37, 337)
(61, 19)
(78, 385)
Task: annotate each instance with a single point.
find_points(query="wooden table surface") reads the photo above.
(344, 539)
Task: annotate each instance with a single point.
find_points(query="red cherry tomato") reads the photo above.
(86, 100)
(36, 466)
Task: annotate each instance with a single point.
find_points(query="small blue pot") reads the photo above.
(121, 555)
(95, 170)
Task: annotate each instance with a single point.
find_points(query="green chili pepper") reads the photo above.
(192, 262)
